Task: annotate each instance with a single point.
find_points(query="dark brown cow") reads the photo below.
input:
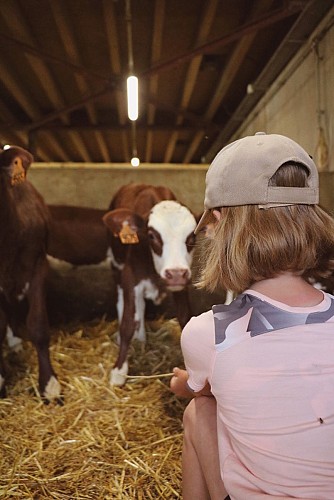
(23, 263)
(77, 235)
(152, 241)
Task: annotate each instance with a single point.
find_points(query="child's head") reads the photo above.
(266, 187)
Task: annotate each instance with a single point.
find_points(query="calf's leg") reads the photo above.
(127, 329)
(38, 331)
(182, 305)
(3, 328)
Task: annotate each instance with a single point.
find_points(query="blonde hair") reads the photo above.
(252, 244)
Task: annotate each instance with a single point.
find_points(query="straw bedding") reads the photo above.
(104, 442)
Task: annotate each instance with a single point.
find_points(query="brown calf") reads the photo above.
(152, 241)
(23, 263)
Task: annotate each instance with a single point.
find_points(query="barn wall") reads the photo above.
(92, 185)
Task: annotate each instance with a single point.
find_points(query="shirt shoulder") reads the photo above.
(198, 327)
(198, 348)
(252, 314)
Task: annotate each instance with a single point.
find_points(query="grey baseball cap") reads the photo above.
(240, 173)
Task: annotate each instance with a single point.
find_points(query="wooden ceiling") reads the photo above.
(64, 65)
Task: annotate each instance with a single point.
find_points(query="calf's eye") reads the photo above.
(190, 242)
(155, 241)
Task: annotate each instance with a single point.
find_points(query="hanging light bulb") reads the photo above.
(135, 161)
(132, 91)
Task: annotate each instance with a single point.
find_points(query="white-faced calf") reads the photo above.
(152, 241)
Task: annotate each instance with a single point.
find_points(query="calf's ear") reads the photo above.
(126, 225)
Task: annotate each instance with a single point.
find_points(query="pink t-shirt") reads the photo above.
(271, 370)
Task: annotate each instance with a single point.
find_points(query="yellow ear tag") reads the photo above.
(127, 235)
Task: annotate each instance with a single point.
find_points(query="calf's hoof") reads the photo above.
(140, 335)
(52, 390)
(118, 375)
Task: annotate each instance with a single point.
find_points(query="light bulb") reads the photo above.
(132, 89)
(135, 161)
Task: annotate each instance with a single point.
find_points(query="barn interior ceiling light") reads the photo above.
(135, 161)
(132, 91)
(132, 87)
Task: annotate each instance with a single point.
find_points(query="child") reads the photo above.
(260, 371)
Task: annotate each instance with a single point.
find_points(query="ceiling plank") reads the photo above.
(8, 135)
(69, 44)
(159, 19)
(260, 23)
(63, 74)
(193, 69)
(116, 68)
(13, 17)
(228, 74)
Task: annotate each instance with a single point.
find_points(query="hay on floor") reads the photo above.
(104, 442)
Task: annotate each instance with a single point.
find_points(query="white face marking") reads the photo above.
(24, 291)
(52, 389)
(174, 222)
(118, 375)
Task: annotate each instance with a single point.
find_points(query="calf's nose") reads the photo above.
(177, 277)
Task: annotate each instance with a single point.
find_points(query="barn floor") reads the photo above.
(103, 443)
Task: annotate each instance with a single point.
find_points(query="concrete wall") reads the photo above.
(93, 185)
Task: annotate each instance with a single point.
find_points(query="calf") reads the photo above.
(77, 235)
(152, 241)
(23, 263)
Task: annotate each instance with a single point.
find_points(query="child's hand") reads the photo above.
(178, 384)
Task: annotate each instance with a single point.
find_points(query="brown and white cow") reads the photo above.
(152, 241)
(23, 264)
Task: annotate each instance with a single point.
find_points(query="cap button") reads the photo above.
(260, 133)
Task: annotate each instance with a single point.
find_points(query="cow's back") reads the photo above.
(77, 234)
(140, 197)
